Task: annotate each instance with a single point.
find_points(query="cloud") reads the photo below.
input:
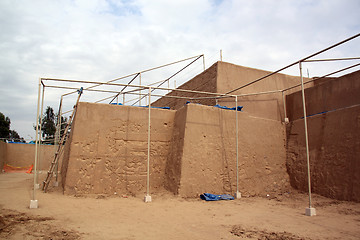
(103, 39)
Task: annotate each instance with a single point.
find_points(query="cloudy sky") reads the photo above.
(103, 39)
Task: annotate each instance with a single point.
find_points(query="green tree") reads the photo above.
(15, 137)
(48, 126)
(4, 126)
(5, 131)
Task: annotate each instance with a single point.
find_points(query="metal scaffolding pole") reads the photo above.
(286, 120)
(34, 201)
(204, 61)
(295, 63)
(238, 194)
(140, 89)
(39, 150)
(148, 197)
(57, 140)
(309, 211)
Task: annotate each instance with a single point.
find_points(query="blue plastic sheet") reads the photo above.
(120, 104)
(168, 108)
(214, 197)
(239, 108)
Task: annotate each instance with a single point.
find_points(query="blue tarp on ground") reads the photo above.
(214, 197)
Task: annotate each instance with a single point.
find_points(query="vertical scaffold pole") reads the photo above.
(203, 60)
(308, 211)
(284, 103)
(57, 140)
(148, 197)
(238, 194)
(140, 89)
(40, 129)
(168, 83)
(34, 201)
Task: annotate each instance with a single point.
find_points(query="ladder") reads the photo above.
(60, 147)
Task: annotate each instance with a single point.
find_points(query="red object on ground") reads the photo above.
(9, 168)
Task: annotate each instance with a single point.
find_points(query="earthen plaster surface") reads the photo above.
(330, 95)
(193, 148)
(192, 151)
(334, 145)
(2, 155)
(23, 155)
(223, 77)
(334, 140)
(205, 81)
(108, 150)
(208, 161)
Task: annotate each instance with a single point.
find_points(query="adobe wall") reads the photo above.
(108, 149)
(270, 106)
(22, 155)
(205, 81)
(208, 155)
(333, 94)
(2, 155)
(334, 144)
(174, 159)
(333, 138)
(223, 77)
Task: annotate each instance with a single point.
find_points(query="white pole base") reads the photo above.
(310, 212)
(238, 195)
(147, 198)
(56, 184)
(34, 204)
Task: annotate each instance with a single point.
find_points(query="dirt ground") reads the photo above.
(168, 217)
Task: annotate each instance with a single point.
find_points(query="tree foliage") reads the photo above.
(4, 126)
(48, 125)
(5, 131)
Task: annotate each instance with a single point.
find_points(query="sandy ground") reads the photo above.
(168, 217)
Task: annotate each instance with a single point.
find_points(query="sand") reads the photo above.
(168, 217)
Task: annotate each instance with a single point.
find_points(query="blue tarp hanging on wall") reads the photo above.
(239, 108)
(120, 104)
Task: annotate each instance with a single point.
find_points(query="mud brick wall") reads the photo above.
(207, 157)
(174, 159)
(270, 106)
(108, 149)
(2, 155)
(23, 155)
(333, 94)
(334, 140)
(205, 81)
(223, 77)
(334, 144)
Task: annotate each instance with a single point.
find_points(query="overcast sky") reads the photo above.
(103, 39)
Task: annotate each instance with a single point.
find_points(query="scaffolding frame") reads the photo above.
(137, 90)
